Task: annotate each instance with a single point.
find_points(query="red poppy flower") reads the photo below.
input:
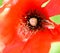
(19, 35)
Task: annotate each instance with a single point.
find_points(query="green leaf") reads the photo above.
(55, 19)
(55, 47)
(1, 1)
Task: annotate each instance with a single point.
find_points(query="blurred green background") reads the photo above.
(55, 19)
(55, 47)
(1, 2)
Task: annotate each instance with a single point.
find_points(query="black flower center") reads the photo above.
(34, 19)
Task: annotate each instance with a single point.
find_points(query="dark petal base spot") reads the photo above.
(34, 14)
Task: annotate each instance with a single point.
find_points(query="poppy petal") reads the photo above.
(53, 8)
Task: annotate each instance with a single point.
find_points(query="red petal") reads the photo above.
(53, 8)
(40, 42)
